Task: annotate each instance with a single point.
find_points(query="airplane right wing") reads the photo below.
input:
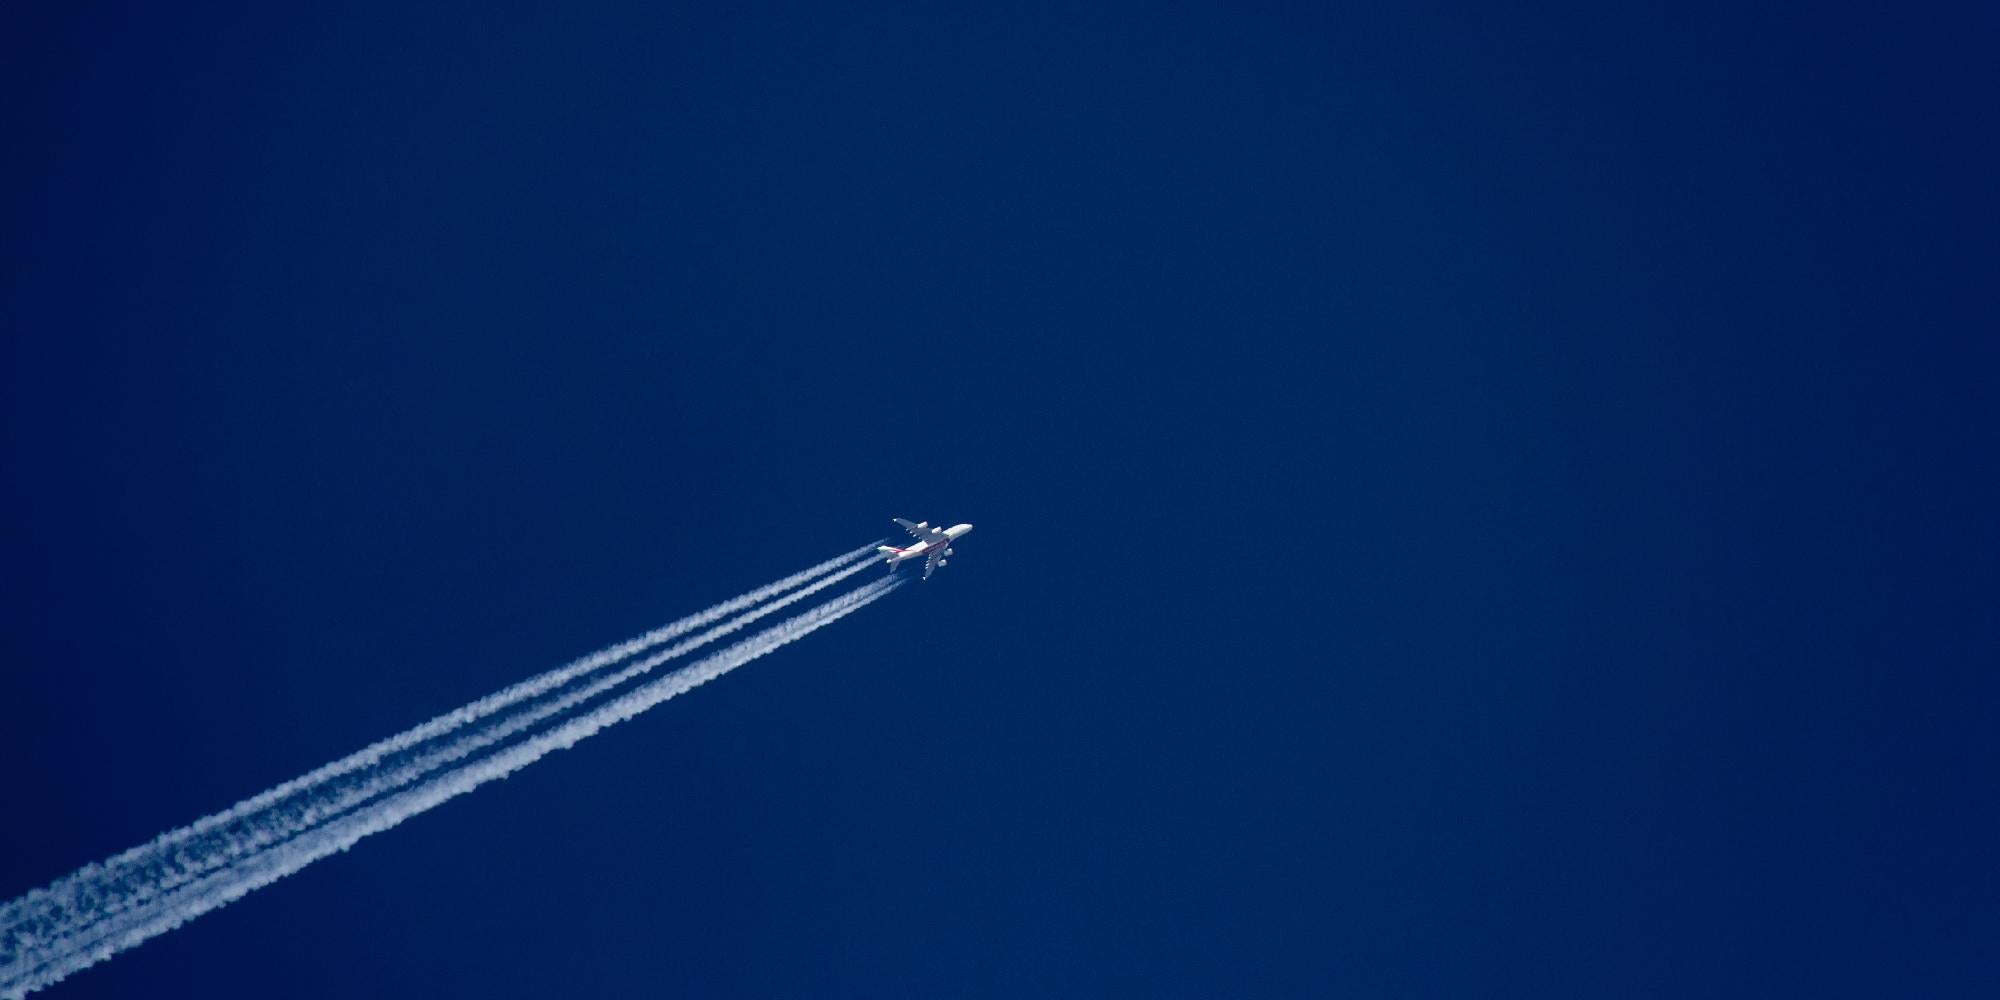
(921, 530)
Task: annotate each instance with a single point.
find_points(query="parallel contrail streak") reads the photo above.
(283, 822)
(89, 893)
(36, 970)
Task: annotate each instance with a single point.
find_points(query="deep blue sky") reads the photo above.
(1471, 502)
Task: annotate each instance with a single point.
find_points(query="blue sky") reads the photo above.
(1470, 501)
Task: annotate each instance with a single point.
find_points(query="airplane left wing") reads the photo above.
(931, 563)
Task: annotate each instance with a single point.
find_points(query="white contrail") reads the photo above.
(280, 823)
(89, 893)
(35, 969)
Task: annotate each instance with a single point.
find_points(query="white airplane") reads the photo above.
(933, 544)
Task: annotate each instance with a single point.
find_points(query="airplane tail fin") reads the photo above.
(889, 553)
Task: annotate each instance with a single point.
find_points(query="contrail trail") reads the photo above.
(35, 968)
(83, 896)
(93, 891)
(112, 896)
(65, 894)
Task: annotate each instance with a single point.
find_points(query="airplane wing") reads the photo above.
(936, 556)
(921, 531)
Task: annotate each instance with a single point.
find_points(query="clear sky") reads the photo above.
(1470, 502)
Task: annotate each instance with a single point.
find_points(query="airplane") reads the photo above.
(933, 544)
